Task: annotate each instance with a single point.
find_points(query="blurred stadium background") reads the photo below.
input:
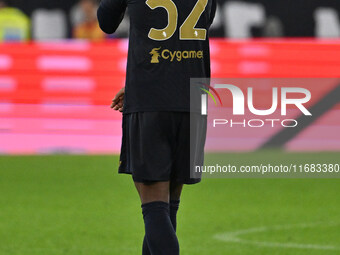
(58, 74)
(55, 90)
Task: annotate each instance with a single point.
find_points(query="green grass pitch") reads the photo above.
(79, 205)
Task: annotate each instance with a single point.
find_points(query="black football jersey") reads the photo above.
(168, 45)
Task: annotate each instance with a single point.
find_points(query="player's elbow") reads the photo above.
(106, 29)
(105, 23)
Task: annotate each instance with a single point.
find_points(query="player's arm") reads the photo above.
(110, 13)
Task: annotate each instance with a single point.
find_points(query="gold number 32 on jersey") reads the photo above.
(187, 31)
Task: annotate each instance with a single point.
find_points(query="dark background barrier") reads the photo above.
(251, 18)
(278, 18)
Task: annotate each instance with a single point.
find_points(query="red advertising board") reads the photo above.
(55, 96)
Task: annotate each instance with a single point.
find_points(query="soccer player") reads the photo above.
(168, 45)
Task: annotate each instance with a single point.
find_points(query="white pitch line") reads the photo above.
(234, 237)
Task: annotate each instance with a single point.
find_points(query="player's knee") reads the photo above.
(158, 191)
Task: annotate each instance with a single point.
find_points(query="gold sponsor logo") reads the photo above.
(155, 55)
(174, 55)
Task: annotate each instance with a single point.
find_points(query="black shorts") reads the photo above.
(156, 146)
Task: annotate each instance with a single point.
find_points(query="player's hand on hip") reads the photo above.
(118, 101)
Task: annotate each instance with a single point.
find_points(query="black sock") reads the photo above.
(145, 249)
(174, 205)
(160, 234)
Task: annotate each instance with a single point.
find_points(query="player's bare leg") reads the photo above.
(156, 191)
(175, 190)
(160, 235)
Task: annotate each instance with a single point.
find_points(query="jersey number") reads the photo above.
(187, 31)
